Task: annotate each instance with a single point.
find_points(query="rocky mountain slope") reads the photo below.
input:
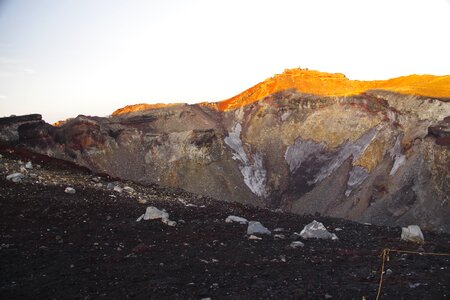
(302, 141)
(86, 243)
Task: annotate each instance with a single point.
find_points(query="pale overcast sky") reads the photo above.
(62, 58)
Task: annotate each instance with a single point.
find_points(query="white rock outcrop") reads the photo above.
(251, 168)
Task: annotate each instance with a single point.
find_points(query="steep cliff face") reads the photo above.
(364, 154)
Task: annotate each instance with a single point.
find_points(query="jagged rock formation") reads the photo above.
(365, 152)
(9, 126)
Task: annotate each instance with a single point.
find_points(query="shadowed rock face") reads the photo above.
(377, 157)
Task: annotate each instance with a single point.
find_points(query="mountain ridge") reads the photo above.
(321, 84)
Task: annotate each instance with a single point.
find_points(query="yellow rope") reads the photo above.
(385, 257)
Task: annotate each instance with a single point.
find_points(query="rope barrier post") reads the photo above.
(383, 259)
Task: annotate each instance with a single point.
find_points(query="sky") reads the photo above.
(62, 58)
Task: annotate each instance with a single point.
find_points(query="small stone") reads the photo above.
(279, 236)
(254, 237)
(236, 219)
(69, 190)
(117, 189)
(110, 186)
(328, 296)
(58, 237)
(297, 244)
(388, 272)
(128, 189)
(15, 177)
(169, 222)
(142, 201)
(29, 165)
(413, 285)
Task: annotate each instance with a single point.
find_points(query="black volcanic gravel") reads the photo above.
(88, 245)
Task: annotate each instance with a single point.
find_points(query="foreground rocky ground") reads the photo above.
(86, 245)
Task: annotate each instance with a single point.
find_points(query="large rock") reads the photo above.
(412, 233)
(316, 230)
(255, 227)
(9, 127)
(153, 213)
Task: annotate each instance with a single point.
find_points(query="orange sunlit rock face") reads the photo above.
(59, 123)
(329, 84)
(321, 84)
(137, 107)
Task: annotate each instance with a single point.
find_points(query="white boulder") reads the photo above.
(412, 233)
(236, 219)
(153, 213)
(255, 227)
(316, 230)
